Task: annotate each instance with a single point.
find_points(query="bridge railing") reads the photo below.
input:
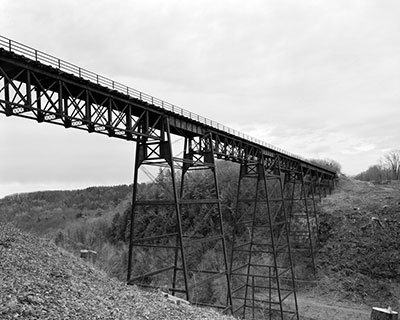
(44, 58)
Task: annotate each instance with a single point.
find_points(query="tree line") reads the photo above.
(387, 169)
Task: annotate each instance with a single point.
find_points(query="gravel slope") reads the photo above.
(40, 281)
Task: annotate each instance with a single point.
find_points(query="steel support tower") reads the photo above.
(263, 284)
(303, 222)
(172, 254)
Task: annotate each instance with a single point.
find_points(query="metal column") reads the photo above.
(303, 223)
(184, 252)
(203, 234)
(262, 271)
(156, 236)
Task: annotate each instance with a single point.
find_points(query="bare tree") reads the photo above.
(374, 173)
(391, 161)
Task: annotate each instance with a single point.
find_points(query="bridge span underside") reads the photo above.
(254, 266)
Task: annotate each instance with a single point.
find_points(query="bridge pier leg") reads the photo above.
(204, 237)
(303, 222)
(177, 237)
(261, 267)
(8, 108)
(156, 248)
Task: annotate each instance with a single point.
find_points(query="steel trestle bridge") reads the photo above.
(276, 198)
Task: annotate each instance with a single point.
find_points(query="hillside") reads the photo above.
(357, 260)
(359, 256)
(40, 281)
(46, 212)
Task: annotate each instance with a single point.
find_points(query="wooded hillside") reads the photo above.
(357, 260)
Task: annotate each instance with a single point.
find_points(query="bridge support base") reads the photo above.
(261, 267)
(177, 236)
(303, 223)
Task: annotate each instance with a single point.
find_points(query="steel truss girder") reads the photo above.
(322, 184)
(233, 149)
(33, 90)
(183, 275)
(261, 266)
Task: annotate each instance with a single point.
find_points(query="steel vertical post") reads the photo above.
(270, 280)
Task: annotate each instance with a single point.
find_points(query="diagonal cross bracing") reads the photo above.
(37, 86)
(100, 103)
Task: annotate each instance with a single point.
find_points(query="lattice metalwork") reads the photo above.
(30, 91)
(303, 223)
(263, 285)
(37, 86)
(200, 199)
(182, 249)
(47, 89)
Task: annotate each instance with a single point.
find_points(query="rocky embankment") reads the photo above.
(40, 281)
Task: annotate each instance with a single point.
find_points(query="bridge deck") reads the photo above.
(41, 87)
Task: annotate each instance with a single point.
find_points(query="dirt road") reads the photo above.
(311, 308)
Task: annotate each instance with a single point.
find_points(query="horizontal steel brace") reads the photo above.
(189, 241)
(162, 236)
(149, 274)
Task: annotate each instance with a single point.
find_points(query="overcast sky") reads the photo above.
(317, 78)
